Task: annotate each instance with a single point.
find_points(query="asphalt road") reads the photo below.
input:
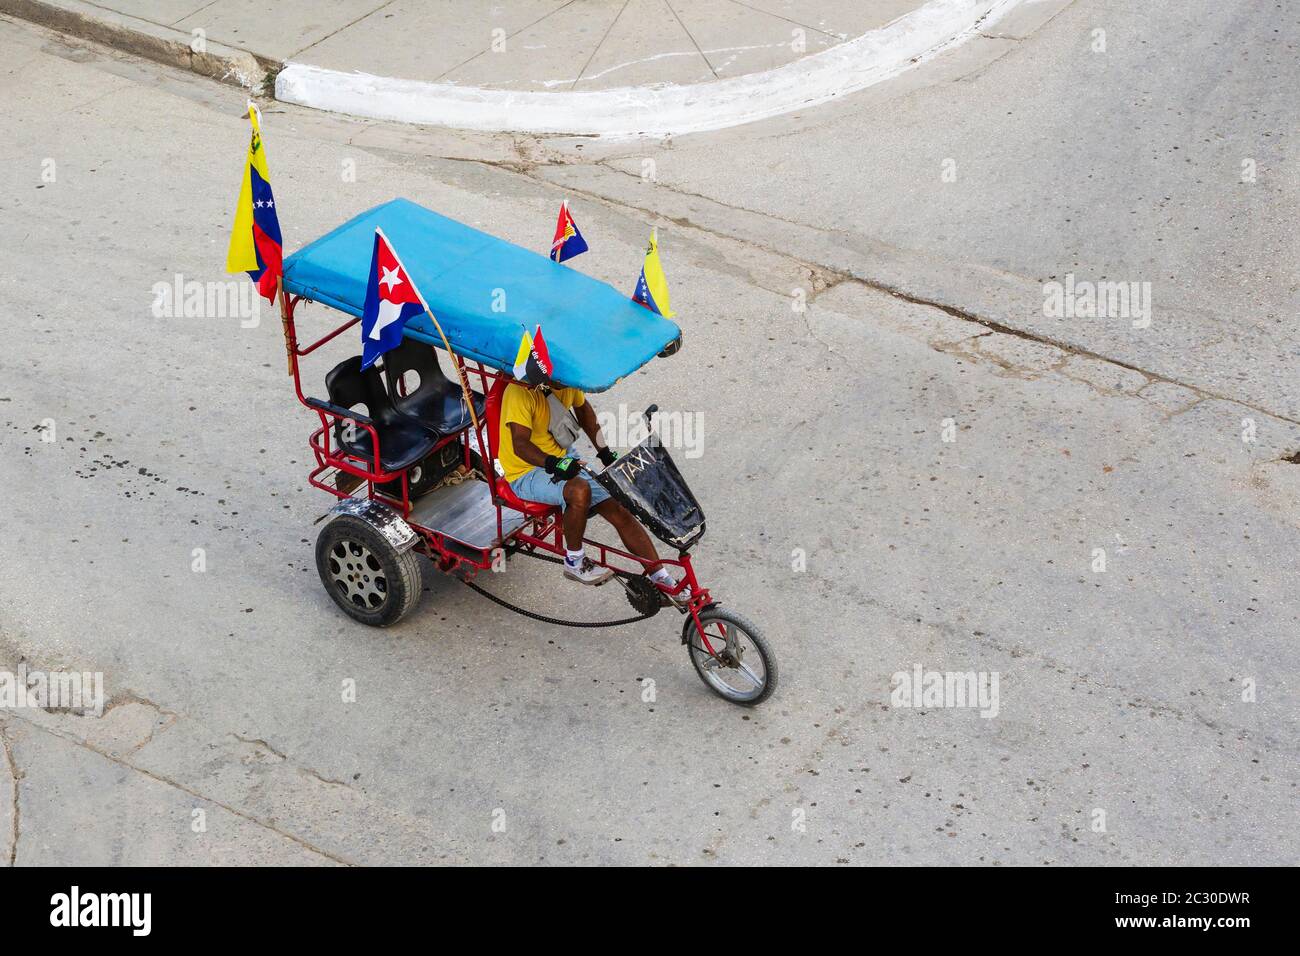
(888, 484)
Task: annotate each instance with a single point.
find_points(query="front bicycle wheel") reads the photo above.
(731, 656)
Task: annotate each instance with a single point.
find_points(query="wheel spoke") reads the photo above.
(725, 669)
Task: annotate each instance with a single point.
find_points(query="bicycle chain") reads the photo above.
(546, 619)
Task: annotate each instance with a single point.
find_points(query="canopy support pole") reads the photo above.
(282, 298)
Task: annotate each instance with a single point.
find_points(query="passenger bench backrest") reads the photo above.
(492, 411)
(410, 355)
(349, 387)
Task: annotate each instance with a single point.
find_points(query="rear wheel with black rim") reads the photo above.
(366, 576)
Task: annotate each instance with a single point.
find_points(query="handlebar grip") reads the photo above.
(648, 412)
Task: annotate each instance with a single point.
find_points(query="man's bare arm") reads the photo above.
(524, 447)
(586, 416)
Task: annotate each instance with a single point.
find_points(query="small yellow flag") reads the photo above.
(652, 287)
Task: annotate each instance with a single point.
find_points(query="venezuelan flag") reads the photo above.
(255, 244)
(652, 287)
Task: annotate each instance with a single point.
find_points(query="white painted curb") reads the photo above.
(651, 111)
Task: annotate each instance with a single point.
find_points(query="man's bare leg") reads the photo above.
(629, 530)
(577, 501)
(577, 566)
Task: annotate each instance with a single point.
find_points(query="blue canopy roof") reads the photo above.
(595, 334)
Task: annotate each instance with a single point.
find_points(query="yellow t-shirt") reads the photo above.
(528, 407)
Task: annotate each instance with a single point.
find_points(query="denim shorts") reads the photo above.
(536, 485)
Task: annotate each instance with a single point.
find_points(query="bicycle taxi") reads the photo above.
(416, 471)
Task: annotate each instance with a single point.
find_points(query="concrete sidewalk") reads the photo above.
(520, 45)
(589, 67)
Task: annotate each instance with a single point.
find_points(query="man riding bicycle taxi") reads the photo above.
(538, 427)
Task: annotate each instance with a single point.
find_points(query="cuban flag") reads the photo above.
(391, 300)
(568, 242)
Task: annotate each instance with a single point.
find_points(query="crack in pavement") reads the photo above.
(259, 742)
(830, 275)
(284, 758)
(155, 728)
(177, 785)
(999, 327)
(1169, 416)
(14, 776)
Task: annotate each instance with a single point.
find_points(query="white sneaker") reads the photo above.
(681, 599)
(587, 572)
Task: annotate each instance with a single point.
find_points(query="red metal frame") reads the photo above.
(544, 533)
